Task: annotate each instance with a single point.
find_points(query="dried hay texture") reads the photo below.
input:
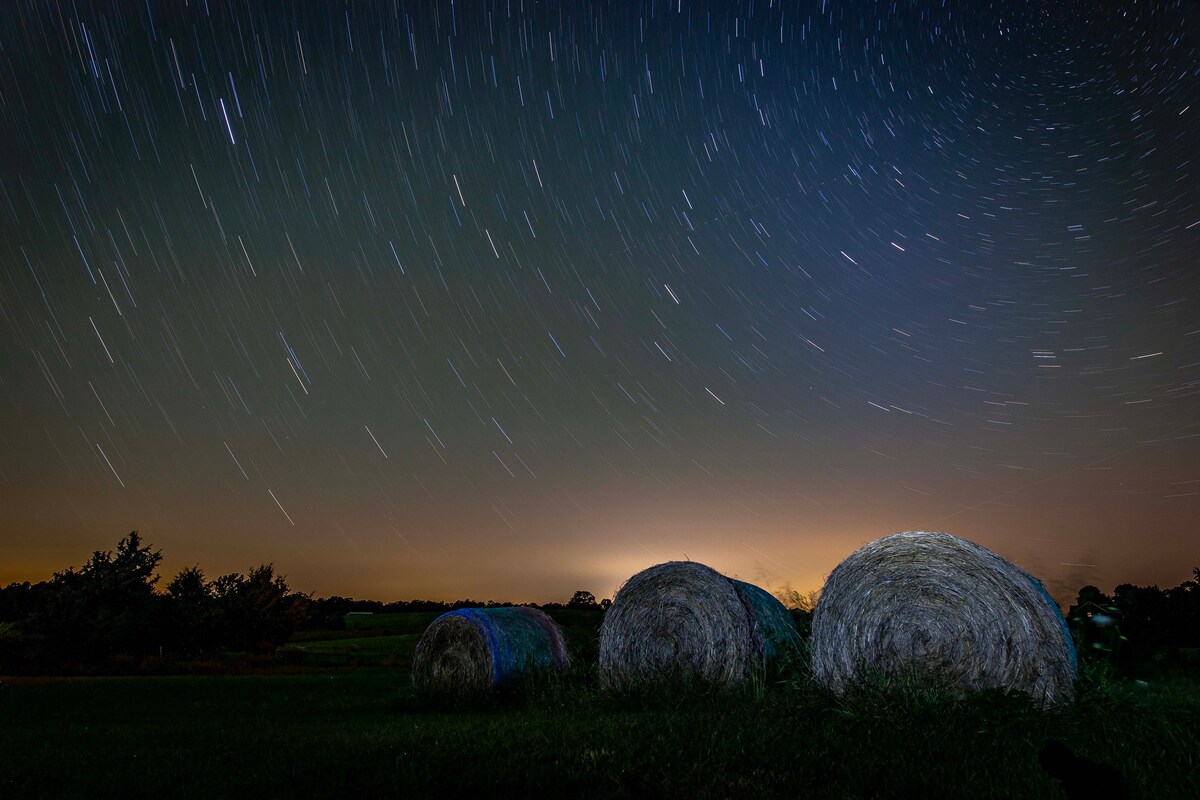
(685, 620)
(475, 650)
(936, 607)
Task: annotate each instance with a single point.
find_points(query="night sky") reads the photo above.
(504, 300)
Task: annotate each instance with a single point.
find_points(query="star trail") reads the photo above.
(508, 299)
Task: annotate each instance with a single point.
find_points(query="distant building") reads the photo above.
(1094, 613)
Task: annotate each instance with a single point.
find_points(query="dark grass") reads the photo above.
(362, 733)
(327, 728)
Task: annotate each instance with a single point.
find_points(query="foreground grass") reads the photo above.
(361, 733)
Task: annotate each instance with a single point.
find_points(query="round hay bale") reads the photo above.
(932, 606)
(774, 630)
(476, 650)
(683, 619)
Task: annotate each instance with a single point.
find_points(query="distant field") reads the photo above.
(389, 639)
(417, 621)
(371, 650)
(368, 640)
(404, 621)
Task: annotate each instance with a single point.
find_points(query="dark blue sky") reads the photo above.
(472, 299)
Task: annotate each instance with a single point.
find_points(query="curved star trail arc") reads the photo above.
(508, 300)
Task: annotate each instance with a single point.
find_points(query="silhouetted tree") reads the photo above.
(1184, 604)
(1143, 617)
(258, 611)
(192, 612)
(107, 606)
(20, 652)
(19, 600)
(1090, 594)
(582, 599)
(1154, 618)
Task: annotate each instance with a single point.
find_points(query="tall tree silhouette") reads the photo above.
(107, 606)
(193, 610)
(257, 611)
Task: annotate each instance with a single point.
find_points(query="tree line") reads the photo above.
(112, 614)
(1138, 622)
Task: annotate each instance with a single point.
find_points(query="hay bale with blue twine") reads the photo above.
(932, 609)
(685, 620)
(479, 650)
(773, 627)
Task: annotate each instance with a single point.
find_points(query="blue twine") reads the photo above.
(518, 639)
(774, 628)
(1062, 623)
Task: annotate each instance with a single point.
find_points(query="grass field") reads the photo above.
(400, 622)
(374, 650)
(338, 731)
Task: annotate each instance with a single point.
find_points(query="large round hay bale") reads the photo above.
(475, 650)
(933, 607)
(685, 620)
